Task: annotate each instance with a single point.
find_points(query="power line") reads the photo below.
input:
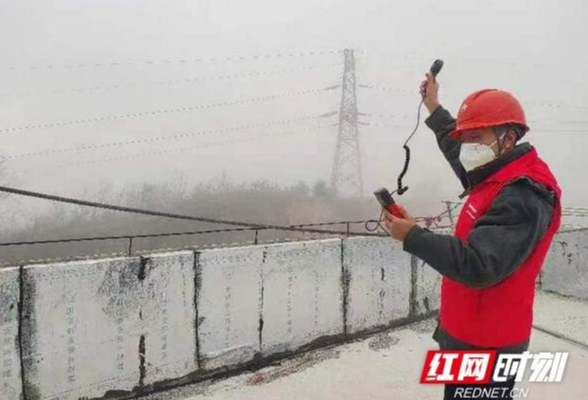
(167, 83)
(182, 149)
(531, 132)
(579, 209)
(553, 105)
(544, 121)
(561, 131)
(164, 111)
(372, 125)
(422, 60)
(530, 102)
(151, 62)
(407, 117)
(387, 89)
(164, 138)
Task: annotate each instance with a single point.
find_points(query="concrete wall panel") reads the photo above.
(302, 295)
(10, 374)
(81, 328)
(566, 267)
(427, 283)
(168, 316)
(228, 302)
(379, 282)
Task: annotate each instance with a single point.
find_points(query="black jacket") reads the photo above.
(500, 240)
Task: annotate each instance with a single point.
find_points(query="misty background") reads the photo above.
(257, 141)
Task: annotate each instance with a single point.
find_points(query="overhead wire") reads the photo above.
(541, 103)
(544, 121)
(164, 111)
(10, 157)
(150, 62)
(181, 81)
(179, 150)
(540, 130)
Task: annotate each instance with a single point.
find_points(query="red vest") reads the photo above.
(500, 315)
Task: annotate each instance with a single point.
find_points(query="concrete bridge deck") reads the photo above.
(388, 365)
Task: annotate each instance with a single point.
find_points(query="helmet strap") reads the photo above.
(497, 136)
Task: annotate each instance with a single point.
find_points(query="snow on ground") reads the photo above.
(388, 366)
(564, 315)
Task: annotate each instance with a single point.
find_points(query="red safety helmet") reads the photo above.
(487, 108)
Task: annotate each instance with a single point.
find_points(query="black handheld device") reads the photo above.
(387, 202)
(436, 67)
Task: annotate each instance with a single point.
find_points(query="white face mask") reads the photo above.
(474, 155)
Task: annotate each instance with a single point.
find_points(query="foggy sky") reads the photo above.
(535, 49)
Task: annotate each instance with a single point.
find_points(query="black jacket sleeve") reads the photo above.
(442, 123)
(498, 243)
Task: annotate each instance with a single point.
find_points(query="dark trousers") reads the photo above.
(501, 391)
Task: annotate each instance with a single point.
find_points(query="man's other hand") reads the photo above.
(398, 228)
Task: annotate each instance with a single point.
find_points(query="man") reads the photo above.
(504, 230)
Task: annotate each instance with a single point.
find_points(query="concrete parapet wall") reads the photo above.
(115, 328)
(10, 370)
(566, 267)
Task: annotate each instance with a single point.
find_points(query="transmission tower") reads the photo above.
(346, 175)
